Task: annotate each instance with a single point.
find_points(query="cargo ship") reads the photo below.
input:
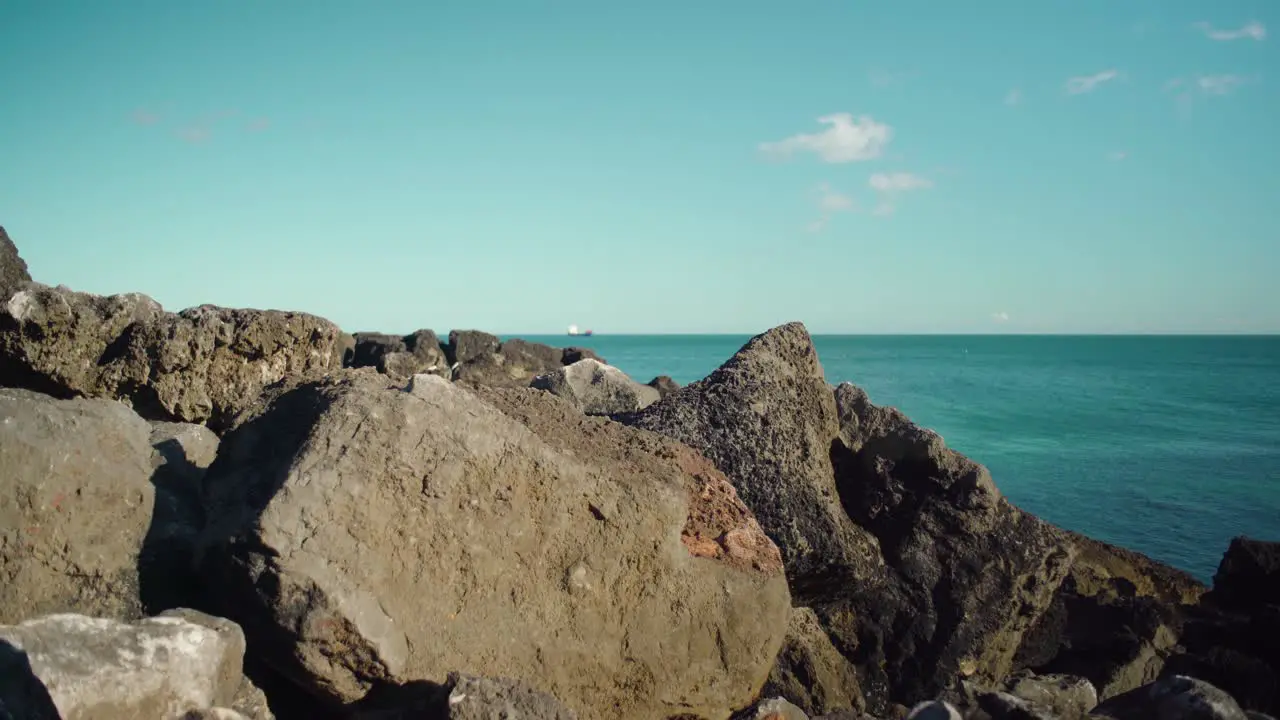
(573, 330)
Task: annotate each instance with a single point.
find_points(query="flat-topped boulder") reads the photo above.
(409, 533)
(201, 365)
(74, 667)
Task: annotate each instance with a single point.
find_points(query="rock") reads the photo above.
(400, 357)
(182, 453)
(370, 347)
(571, 355)
(101, 669)
(76, 502)
(464, 697)
(774, 709)
(1063, 697)
(1229, 639)
(968, 574)
(363, 534)
(201, 365)
(1176, 697)
(767, 419)
(934, 710)
(13, 269)
(810, 672)
(596, 388)
(467, 345)
(1249, 575)
(1104, 631)
(214, 714)
(664, 385)
(514, 364)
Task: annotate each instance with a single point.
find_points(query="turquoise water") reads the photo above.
(1166, 445)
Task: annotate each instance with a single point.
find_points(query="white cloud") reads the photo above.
(1088, 83)
(1118, 155)
(1253, 30)
(1000, 317)
(845, 140)
(830, 202)
(1014, 97)
(1188, 89)
(890, 186)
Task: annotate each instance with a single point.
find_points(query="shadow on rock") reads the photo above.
(22, 694)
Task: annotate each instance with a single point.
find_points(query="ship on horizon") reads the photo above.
(573, 330)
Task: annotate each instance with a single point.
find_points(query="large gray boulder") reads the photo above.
(75, 667)
(99, 509)
(596, 388)
(365, 534)
(202, 365)
(76, 504)
(767, 419)
(13, 269)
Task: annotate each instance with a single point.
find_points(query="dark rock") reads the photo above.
(1115, 619)
(767, 419)
(664, 385)
(183, 452)
(371, 347)
(467, 345)
(1248, 576)
(13, 269)
(810, 672)
(968, 573)
(1175, 697)
(400, 357)
(934, 710)
(201, 365)
(365, 535)
(514, 364)
(571, 355)
(596, 388)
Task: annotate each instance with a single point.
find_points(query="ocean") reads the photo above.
(1168, 445)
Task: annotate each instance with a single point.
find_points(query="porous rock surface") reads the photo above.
(363, 533)
(201, 365)
(13, 269)
(76, 503)
(767, 419)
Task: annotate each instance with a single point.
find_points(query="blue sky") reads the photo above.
(915, 166)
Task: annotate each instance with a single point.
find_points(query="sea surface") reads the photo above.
(1166, 445)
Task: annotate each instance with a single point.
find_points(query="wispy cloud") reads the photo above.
(259, 124)
(846, 139)
(1252, 30)
(1088, 83)
(145, 117)
(889, 188)
(1013, 97)
(1117, 155)
(194, 133)
(830, 202)
(1000, 317)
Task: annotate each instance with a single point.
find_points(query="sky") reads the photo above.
(1057, 166)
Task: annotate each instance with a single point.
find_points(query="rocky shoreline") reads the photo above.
(231, 513)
